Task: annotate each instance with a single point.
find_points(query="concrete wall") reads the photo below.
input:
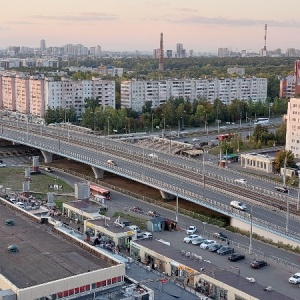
(5, 284)
(267, 234)
(231, 291)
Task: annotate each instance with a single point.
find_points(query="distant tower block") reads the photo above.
(35, 164)
(161, 53)
(50, 201)
(82, 191)
(26, 188)
(27, 174)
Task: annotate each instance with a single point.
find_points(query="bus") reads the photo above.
(225, 137)
(97, 190)
(261, 121)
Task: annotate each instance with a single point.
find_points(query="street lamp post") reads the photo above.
(287, 213)
(152, 123)
(298, 201)
(204, 223)
(251, 229)
(164, 126)
(203, 172)
(270, 105)
(179, 126)
(249, 127)
(176, 215)
(170, 137)
(108, 126)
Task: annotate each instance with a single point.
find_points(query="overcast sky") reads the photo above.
(201, 25)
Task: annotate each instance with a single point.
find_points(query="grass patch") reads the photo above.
(141, 223)
(13, 178)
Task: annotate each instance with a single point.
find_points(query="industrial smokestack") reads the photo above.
(265, 47)
(161, 53)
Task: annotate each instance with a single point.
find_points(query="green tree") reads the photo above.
(260, 133)
(280, 134)
(280, 159)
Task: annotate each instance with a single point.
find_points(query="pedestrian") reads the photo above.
(78, 228)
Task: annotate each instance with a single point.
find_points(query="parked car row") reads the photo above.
(220, 249)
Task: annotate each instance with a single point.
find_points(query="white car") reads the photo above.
(190, 238)
(198, 241)
(196, 140)
(21, 205)
(147, 235)
(238, 205)
(207, 243)
(191, 230)
(240, 180)
(2, 165)
(295, 279)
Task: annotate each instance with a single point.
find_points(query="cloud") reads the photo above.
(20, 23)
(84, 17)
(228, 22)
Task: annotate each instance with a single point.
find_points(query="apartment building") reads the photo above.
(290, 85)
(22, 93)
(34, 94)
(287, 87)
(293, 127)
(134, 94)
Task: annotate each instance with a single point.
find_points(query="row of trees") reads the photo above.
(169, 115)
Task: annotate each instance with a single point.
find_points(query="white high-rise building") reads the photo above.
(293, 127)
(134, 94)
(43, 45)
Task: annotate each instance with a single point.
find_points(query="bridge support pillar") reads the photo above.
(99, 173)
(167, 196)
(47, 156)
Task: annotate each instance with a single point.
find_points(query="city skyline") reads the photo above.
(137, 24)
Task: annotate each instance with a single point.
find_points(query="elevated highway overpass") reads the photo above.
(190, 179)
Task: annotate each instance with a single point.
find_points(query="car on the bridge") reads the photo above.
(111, 162)
(281, 189)
(257, 264)
(236, 257)
(238, 205)
(198, 241)
(295, 279)
(196, 139)
(191, 230)
(190, 238)
(214, 247)
(241, 181)
(207, 243)
(225, 250)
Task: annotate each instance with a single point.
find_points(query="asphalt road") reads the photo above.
(275, 274)
(141, 171)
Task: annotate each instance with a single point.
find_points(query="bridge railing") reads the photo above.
(32, 140)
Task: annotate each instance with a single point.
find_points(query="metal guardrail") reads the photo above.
(196, 198)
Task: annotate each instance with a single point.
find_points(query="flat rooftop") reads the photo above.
(42, 256)
(230, 278)
(110, 225)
